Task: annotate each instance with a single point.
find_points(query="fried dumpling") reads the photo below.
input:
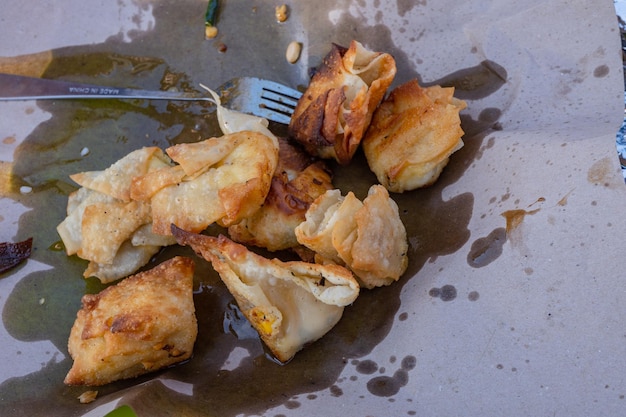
(367, 237)
(102, 218)
(142, 324)
(328, 213)
(115, 181)
(299, 179)
(334, 112)
(219, 180)
(110, 186)
(412, 135)
(70, 229)
(290, 304)
(120, 217)
(105, 226)
(127, 260)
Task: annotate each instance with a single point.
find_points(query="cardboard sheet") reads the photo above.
(513, 303)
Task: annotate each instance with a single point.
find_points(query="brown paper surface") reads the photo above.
(513, 300)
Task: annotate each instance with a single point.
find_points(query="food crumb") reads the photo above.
(84, 151)
(281, 13)
(222, 48)
(42, 301)
(25, 189)
(293, 52)
(210, 32)
(87, 397)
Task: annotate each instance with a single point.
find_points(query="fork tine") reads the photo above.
(271, 96)
(273, 115)
(278, 104)
(281, 89)
(287, 110)
(263, 98)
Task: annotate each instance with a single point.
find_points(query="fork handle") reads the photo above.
(19, 87)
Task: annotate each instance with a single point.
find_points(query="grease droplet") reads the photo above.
(445, 293)
(448, 293)
(335, 391)
(601, 71)
(367, 367)
(409, 363)
(387, 386)
(563, 201)
(383, 386)
(515, 217)
(600, 171)
(473, 296)
(292, 405)
(487, 249)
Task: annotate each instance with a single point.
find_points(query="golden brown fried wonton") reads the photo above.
(219, 180)
(335, 110)
(367, 237)
(102, 219)
(298, 180)
(140, 325)
(412, 135)
(115, 181)
(289, 304)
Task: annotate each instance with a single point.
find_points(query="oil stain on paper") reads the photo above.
(437, 226)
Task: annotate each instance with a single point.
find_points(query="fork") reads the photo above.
(263, 98)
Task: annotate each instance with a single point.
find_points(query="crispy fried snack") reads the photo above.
(412, 135)
(220, 180)
(140, 325)
(102, 219)
(115, 181)
(290, 304)
(367, 237)
(299, 179)
(336, 109)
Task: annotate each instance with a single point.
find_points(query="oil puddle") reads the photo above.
(110, 129)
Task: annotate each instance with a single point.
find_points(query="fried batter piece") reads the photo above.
(290, 304)
(120, 217)
(334, 112)
(220, 180)
(412, 135)
(367, 237)
(142, 324)
(115, 181)
(299, 179)
(102, 219)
